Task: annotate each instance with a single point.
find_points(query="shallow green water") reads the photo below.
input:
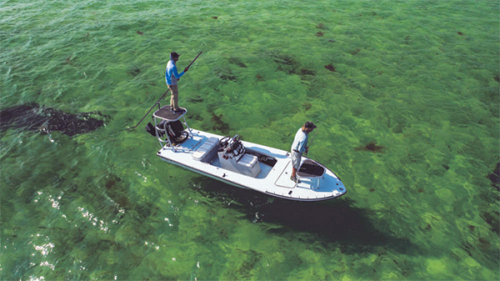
(419, 79)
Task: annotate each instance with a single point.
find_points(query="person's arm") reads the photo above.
(302, 147)
(177, 75)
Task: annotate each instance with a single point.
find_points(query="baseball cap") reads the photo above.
(310, 125)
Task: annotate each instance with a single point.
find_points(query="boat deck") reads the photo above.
(264, 169)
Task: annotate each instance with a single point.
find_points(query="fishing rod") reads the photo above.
(305, 154)
(158, 102)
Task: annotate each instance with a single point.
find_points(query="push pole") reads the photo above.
(194, 59)
(150, 110)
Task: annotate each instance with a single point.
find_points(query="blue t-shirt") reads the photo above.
(300, 141)
(171, 74)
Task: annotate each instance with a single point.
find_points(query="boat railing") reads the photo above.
(163, 130)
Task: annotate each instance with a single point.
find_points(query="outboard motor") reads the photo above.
(175, 131)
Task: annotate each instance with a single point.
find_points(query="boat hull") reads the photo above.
(272, 180)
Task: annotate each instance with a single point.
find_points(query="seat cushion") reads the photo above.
(248, 160)
(205, 149)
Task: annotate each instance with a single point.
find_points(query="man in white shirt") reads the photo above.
(299, 146)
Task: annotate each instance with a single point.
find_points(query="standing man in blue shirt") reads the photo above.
(171, 78)
(299, 146)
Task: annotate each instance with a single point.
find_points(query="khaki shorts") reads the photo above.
(296, 157)
(174, 96)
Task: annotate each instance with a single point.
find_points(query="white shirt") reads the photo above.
(300, 141)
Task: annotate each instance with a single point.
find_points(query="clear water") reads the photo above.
(405, 95)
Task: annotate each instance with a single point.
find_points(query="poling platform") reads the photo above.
(164, 113)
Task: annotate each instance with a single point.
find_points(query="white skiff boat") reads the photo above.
(240, 163)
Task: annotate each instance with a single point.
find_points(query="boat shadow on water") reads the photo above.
(326, 221)
(34, 117)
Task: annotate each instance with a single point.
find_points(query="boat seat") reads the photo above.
(248, 160)
(207, 150)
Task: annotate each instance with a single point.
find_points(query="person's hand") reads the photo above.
(307, 149)
(186, 69)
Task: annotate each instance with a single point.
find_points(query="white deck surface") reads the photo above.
(284, 179)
